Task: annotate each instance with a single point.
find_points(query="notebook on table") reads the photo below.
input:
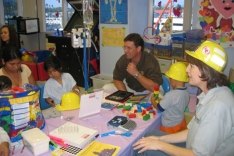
(90, 104)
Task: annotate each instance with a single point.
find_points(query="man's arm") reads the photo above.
(120, 85)
(145, 82)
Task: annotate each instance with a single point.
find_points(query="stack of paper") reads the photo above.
(20, 115)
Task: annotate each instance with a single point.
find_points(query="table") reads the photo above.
(99, 122)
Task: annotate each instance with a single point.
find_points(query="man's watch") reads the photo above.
(136, 75)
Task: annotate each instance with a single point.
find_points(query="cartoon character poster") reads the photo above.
(216, 18)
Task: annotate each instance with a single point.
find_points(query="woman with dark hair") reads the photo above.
(58, 83)
(9, 36)
(18, 73)
(211, 130)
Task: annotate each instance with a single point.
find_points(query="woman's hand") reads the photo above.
(4, 149)
(147, 143)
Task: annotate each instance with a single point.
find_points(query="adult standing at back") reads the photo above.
(9, 38)
(138, 68)
(12, 67)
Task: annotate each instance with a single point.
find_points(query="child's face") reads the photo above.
(53, 73)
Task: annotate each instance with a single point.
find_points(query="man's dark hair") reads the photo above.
(208, 74)
(52, 62)
(136, 39)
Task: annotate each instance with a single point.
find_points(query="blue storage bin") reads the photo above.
(42, 55)
(179, 34)
(164, 51)
(191, 45)
(178, 47)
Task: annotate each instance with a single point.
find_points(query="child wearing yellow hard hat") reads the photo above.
(173, 104)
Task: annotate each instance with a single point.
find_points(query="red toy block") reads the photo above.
(125, 111)
(132, 115)
(143, 112)
(149, 108)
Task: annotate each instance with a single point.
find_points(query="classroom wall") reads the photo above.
(137, 21)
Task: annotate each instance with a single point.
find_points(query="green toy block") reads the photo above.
(146, 117)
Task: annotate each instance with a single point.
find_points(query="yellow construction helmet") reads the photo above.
(211, 54)
(70, 101)
(177, 71)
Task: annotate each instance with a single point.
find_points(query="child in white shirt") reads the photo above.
(58, 83)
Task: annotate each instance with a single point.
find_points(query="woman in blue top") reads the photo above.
(211, 130)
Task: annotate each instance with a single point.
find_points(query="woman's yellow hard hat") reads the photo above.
(211, 54)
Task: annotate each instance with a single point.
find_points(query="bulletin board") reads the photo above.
(112, 36)
(216, 18)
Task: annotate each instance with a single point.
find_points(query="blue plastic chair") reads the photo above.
(166, 84)
(43, 103)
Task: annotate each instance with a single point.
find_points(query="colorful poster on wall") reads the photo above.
(114, 11)
(112, 36)
(216, 18)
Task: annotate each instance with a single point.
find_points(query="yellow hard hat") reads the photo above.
(211, 54)
(70, 101)
(177, 71)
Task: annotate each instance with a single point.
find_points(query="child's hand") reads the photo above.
(154, 102)
(51, 102)
(76, 90)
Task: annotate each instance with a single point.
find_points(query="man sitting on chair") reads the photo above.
(139, 69)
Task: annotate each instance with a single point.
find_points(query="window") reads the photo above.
(169, 8)
(70, 11)
(54, 12)
(10, 9)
